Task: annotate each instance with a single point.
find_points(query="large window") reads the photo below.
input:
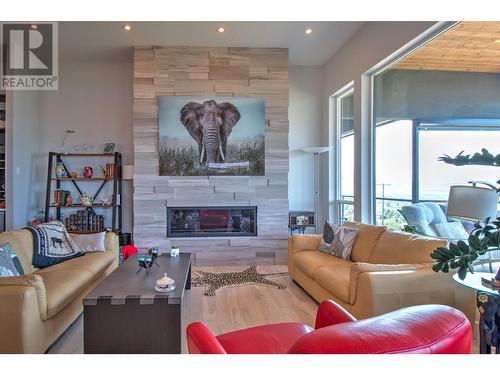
(344, 203)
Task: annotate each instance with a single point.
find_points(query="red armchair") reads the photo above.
(428, 329)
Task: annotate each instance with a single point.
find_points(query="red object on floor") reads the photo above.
(127, 251)
(426, 329)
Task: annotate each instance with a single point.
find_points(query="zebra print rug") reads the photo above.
(213, 281)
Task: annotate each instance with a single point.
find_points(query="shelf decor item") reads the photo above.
(86, 199)
(109, 148)
(60, 171)
(88, 172)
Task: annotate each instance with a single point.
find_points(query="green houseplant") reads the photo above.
(484, 238)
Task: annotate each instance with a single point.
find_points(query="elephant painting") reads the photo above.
(210, 124)
(211, 136)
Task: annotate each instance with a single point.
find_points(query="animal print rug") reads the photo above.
(212, 281)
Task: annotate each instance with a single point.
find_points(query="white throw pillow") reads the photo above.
(338, 240)
(90, 242)
(451, 230)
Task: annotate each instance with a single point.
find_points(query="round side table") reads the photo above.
(488, 304)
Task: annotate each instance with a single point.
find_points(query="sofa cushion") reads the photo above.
(337, 240)
(403, 248)
(52, 244)
(90, 242)
(21, 242)
(63, 286)
(365, 241)
(9, 262)
(95, 263)
(309, 261)
(335, 279)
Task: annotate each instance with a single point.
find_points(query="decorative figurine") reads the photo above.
(145, 261)
(105, 201)
(73, 174)
(103, 171)
(86, 199)
(60, 171)
(88, 172)
(69, 200)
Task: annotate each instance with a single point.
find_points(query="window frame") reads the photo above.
(336, 115)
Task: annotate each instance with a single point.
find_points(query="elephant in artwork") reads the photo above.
(210, 124)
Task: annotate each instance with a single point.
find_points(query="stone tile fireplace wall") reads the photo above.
(160, 71)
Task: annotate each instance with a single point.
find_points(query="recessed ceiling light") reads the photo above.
(308, 31)
(127, 27)
(220, 30)
(34, 27)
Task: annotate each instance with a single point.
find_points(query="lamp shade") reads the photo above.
(472, 202)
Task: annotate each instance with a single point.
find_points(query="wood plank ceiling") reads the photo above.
(467, 47)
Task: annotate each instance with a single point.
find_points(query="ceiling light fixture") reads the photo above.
(127, 27)
(34, 27)
(220, 30)
(308, 31)
(497, 41)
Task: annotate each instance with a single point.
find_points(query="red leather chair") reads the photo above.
(428, 329)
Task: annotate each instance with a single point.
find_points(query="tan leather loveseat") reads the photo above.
(387, 271)
(37, 308)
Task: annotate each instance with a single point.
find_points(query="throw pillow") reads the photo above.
(451, 230)
(337, 240)
(52, 244)
(9, 262)
(89, 243)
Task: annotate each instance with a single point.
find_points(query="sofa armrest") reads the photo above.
(302, 242)
(34, 281)
(201, 340)
(112, 244)
(330, 313)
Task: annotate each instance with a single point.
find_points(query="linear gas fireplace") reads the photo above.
(212, 221)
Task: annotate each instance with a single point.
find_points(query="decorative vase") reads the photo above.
(60, 172)
(88, 172)
(174, 251)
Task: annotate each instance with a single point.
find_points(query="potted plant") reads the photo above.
(484, 238)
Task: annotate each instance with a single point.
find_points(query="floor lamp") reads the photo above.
(316, 151)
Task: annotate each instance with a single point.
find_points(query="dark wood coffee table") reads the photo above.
(125, 314)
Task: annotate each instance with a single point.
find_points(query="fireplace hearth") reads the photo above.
(212, 221)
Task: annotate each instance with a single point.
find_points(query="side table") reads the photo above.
(488, 304)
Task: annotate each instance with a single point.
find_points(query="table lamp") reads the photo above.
(472, 202)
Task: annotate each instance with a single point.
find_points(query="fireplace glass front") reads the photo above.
(211, 221)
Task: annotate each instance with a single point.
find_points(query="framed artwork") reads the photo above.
(211, 136)
(109, 148)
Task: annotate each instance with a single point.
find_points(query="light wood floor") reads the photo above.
(231, 309)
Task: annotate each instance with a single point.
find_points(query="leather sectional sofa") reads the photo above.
(37, 308)
(388, 270)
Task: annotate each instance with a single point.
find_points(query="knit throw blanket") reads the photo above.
(52, 244)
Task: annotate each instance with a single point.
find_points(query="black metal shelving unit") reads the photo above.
(115, 206)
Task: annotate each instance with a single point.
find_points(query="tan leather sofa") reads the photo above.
(37, 308)
(387, 271)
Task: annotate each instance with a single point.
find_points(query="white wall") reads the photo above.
(95, 100)
(370, 45)
(305, 116)
(23, 177)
